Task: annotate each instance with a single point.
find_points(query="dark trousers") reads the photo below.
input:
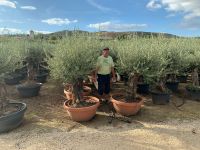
(103, 84)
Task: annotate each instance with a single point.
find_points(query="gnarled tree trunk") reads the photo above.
(195, 77)
(132, 87)
(77, 91)
(3, 101)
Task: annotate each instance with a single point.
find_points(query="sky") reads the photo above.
(179, 17)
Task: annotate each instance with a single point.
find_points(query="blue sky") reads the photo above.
(180, 17)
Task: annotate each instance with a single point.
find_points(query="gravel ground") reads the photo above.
(48, 127)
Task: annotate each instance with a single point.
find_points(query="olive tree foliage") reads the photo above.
(73, 59)
(34, 53)
(193, 59)
(142, 57)
(10, 60)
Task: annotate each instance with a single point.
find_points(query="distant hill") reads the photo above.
(110, 35)
(103, 34)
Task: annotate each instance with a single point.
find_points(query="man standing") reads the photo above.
(103, 70)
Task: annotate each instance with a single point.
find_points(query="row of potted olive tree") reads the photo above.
(145, 60)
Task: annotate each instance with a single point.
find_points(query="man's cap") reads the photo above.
(105, 49)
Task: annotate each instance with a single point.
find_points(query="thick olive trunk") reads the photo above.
(3, 101)
(30, 73)
(132, 87)
(77, 91)
(195, 77)
(161, 85)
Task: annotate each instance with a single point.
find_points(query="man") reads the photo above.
(103, 70)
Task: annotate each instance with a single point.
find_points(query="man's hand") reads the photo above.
(114, 79)
(94, 79)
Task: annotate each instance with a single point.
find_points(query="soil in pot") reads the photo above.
(86, 91)
(9, 109)
(122, 98)
(85, 103)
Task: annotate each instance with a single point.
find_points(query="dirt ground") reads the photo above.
(48, 127)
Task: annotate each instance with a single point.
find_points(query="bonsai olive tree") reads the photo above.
(72, 61)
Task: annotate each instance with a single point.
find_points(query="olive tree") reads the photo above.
(72, 61)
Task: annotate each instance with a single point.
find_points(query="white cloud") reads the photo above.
(7, 3)
(19, 31)
(28, 7)
(109, 26)
(189, 9)
(98, 6)
(43, 32)
(10, 31)
(192, 24)
(59, 21)
(153, 5)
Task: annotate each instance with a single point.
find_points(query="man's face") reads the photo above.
(105, 53)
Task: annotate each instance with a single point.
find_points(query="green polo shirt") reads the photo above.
(105, 64)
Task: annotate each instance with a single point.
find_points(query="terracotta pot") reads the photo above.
(86, 91)
(84, 113)
(124, 108)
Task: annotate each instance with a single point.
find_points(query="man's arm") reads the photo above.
(95, 73)
(113, 74)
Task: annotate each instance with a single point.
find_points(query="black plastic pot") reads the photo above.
(124, 78)
(44, 70)
(182, 78)
(29, 90)
(143, 88)
(41, 78)
(160, 98)
(12, 120)
(195, 95)
(22, 71)
(173, 86)
(13, 79)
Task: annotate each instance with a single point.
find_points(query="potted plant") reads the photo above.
(11, 113)
(194, 88)
(71, 63)
(32, 58)
(177, 62)
(128, 103)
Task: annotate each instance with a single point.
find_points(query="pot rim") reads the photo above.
(83, 108)
(126, 103)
